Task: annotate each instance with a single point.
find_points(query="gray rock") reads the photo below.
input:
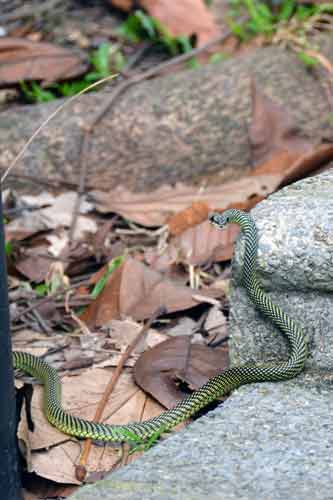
(267, 441)
(295, 265)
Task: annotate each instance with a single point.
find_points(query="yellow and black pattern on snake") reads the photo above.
(213, 389)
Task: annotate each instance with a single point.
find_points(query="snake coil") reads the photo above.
(213, 389)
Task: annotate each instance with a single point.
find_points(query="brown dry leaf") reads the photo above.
(52, 454)
(196, 246)
(202, 243)
(134, 290)
(273, 132)
(308, 164)
(125, 5)
(58, 213)
(107, 305)
(32, 264)
(159, 370)
(21, 59)
(123, 333)
(189, 217)
(155, 208)
(188, 17)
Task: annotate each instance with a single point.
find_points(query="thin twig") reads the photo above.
(110, 386)
(47, 299)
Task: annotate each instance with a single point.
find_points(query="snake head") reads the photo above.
(220, 220)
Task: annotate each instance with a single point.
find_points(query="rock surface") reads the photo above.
(295, 263)
(267, 441)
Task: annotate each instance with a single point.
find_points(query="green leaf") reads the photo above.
(33, 92)
(287, 9)
(68, 89)
(324, 7)
(100, 60)
(8, 248)
(138, 26)
(114, 264)
(41, 290)
(193, 63)
(131, 29)
(303, 12)
(308, 60)
(119, 61)
(184, 43)
(147, 23)
(217, 57)
(238, 30)
(264, 12)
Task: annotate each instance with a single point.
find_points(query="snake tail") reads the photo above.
(215, 387)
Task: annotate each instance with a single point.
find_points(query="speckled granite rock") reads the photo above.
(267, 441)
(295, 263)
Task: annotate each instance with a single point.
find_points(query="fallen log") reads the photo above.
(190, 126)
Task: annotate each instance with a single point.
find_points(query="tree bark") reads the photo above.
(190, 126)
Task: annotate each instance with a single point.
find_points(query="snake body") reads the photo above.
(213, 389)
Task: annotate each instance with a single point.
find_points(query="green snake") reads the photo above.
(216, 387)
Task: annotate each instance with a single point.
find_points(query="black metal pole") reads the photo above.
(9, 472)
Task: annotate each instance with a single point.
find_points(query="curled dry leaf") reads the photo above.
(155, 208)
(22, 59)
(134, 290)
(159, 370)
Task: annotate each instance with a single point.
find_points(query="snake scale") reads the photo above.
(213, 389)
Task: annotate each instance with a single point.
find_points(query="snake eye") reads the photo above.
(218, 220)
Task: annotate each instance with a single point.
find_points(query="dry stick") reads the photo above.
(80, 469)
(107, 107)
(47, 299)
